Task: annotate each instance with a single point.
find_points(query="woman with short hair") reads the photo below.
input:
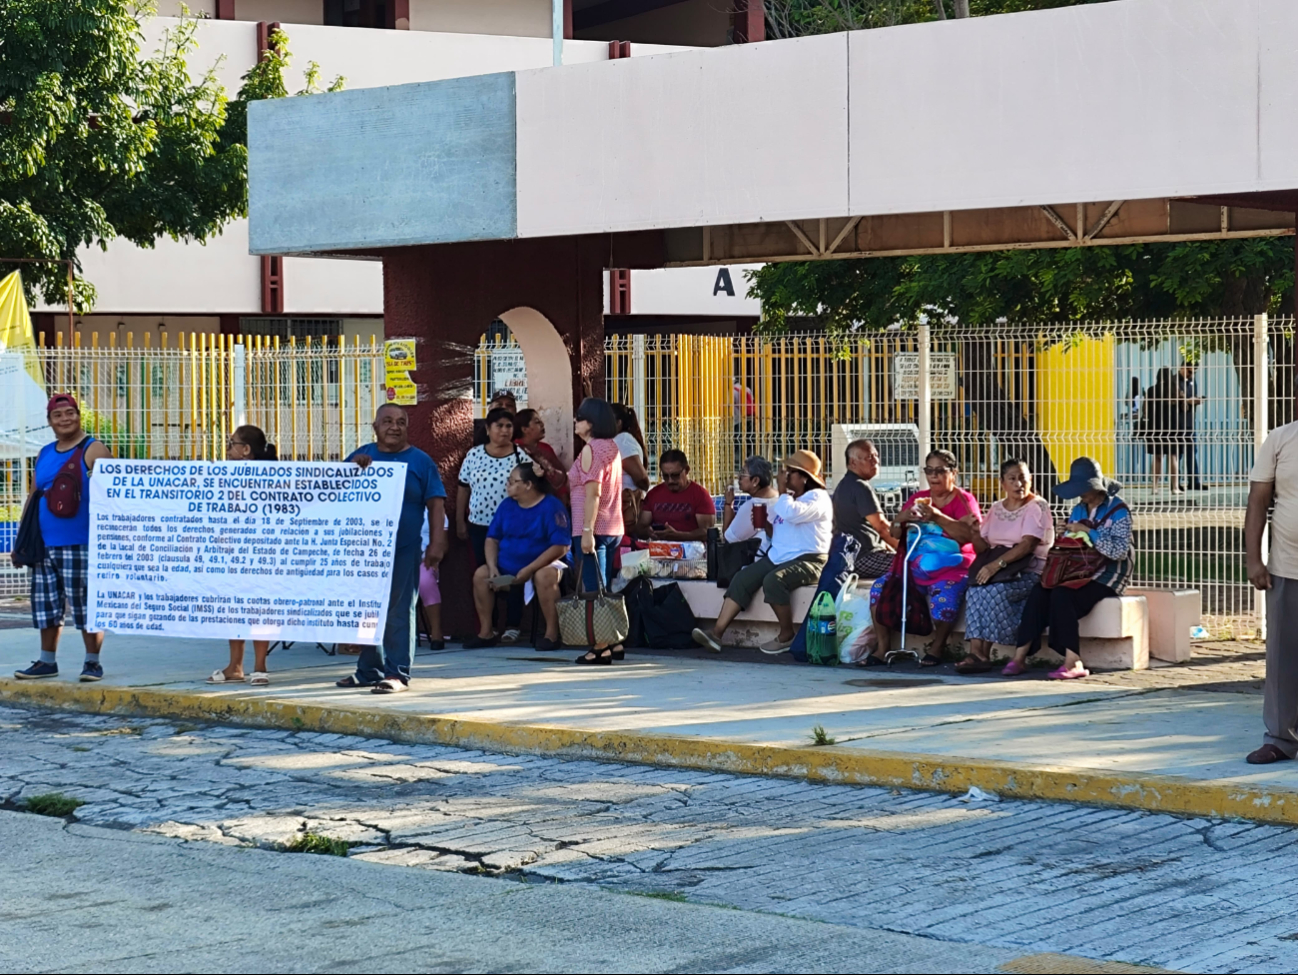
(526, 542)
(529, 434)
(757, 481)
(1012, 544)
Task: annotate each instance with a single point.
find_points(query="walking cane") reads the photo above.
(905, 578)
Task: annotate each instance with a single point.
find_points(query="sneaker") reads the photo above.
(705, 639)
(91, 672)
(775, 646)
(37, 670)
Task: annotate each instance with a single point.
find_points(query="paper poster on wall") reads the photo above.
(399, 355)
(509, 371)
(236, 550)
(942, 378)
(398, 361)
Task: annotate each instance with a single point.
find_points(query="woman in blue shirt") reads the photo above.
(528, 535)
(64, 575)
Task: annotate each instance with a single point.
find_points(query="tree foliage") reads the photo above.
(1203, 278)
(98, 141)
(797, 18)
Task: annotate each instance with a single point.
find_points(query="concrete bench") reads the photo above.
(1173, 613)
(1115, 635)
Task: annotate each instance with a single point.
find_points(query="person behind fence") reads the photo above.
(529, 435)
(757, 480)
(1012, 545)
(1188, 400)
(679, 509)
(501, 399)
(386, 668)
(1092, 560)
(940, 522)
(800, 525)
(1160, 413)
(596, 482)
(857, 511)
(527, 542)
(247, 443)
(62, 491)
(1275, 479)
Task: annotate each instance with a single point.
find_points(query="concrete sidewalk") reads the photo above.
(1171, 739)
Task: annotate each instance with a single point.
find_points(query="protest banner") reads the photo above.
(239, 550)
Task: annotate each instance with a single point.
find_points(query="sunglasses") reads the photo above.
(935, 471)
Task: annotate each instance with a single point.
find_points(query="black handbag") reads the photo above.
(664, 616)
(1011, 571)
(733, 556)
(29, 544)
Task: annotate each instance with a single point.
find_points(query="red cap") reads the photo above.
(61, 399)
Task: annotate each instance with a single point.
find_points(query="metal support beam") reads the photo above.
(1058, 221)
(1105, 217)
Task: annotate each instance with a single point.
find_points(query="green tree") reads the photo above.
(797, 18)
(98, 141)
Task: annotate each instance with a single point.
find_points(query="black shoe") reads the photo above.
(596, 657)
(1267, 754)
(436, 644)
(475, 642)
(545, 643)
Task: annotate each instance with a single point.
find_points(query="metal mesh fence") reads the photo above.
(1146, 399)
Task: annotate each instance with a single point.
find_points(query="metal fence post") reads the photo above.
(239, 385)
(924, 401)
(639, 399)
(1261, 404)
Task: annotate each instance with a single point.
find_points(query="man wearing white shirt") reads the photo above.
(801, 526)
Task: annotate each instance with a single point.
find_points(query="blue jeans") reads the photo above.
(393, 660)
(605, 546)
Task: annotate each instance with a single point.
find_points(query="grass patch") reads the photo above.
(297, 723)
(80, 748)
(315, 843)
(662, 895)
(53, 804)
(820, 737)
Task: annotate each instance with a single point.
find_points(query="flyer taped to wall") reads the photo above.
(236, 550)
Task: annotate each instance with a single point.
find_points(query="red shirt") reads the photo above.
(677, 509)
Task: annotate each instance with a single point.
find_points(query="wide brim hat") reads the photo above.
(808, 463)
(1084, 475)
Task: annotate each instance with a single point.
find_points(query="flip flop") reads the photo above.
(1060, 673)
(218, 677)
(930, 660)
(259, 678)
(973, 665)
(389, 685)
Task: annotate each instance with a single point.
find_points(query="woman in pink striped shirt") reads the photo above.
(595, 480)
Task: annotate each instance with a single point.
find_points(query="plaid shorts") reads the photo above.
(64, 576)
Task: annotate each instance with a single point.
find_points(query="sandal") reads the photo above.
(218, 677)
(973, 664)
(619, 652)
(930, 660)
(1014, 669)
(389, 685)
(259, 678)
(873, 661)
(1267, 754)
(510, 636)
(351, 681)
(604, 656)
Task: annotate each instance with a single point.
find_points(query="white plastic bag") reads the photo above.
(853, 623)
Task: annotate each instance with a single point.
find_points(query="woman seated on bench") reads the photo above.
(1102, 522)
(526, 542)
(801, 525)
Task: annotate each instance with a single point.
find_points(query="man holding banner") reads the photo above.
(389, 672)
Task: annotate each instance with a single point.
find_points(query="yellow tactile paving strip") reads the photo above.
(1032, 964)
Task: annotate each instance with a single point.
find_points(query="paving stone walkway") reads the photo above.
(1190, 895)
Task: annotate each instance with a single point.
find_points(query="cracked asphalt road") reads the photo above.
(922, 882)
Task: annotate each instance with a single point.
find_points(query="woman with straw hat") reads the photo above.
(800, 523)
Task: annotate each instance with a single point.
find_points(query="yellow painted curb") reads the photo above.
(856, 766)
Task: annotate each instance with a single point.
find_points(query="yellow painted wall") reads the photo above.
(1075, 401)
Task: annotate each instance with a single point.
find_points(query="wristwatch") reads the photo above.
(1002, 563)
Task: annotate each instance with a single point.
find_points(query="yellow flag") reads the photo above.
(16, 326)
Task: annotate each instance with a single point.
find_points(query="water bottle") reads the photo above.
(822, 631)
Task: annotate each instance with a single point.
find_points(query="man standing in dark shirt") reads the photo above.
(1188, 400)
(857, 512)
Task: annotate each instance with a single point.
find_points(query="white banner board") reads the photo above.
(239, 550)
(942, 377)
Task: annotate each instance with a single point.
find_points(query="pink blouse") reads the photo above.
(962, 503)
(607, 470)
(1005, 527)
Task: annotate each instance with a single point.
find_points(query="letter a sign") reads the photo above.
(723, 283)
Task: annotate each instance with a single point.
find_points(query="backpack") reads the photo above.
(63, 499)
